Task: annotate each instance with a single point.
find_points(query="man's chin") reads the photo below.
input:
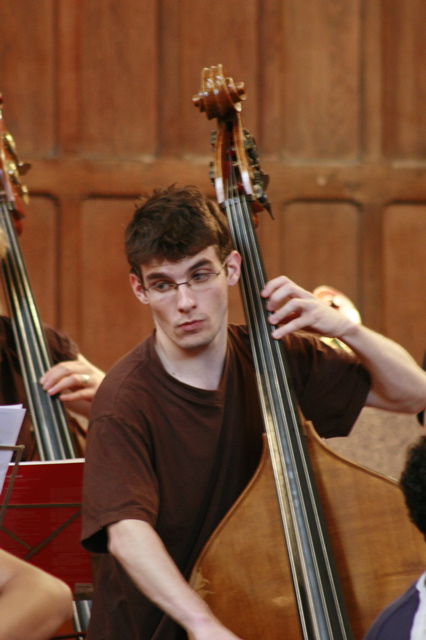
(193, 343)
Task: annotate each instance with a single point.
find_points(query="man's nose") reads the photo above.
(185, 296)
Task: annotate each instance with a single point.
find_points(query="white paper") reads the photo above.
(11, 418)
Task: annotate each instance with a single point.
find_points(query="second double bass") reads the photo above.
(349, 547)
(54, 438)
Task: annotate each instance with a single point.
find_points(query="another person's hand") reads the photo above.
(73, 380)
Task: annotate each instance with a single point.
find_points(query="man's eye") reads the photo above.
(201, 277)
(162, 287)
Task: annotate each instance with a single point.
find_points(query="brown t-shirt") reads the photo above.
(178, 457)
(12, 389)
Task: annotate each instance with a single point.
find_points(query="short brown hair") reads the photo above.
(175, 223)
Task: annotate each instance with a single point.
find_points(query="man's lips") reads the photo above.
(191, 325)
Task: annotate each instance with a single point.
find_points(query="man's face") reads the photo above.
(188, 319)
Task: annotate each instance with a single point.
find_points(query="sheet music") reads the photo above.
(11, 418)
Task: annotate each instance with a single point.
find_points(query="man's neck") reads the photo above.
(201, 368)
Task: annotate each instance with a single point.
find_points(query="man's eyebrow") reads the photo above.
(157, 275)
(161, 275)
(203, 262)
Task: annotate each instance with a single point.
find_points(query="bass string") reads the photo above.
(47, 414)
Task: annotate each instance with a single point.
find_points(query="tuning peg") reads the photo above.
(23, 168)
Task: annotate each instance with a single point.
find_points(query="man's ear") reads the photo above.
(138, 289)
(233, 264)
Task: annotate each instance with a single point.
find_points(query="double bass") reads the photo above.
(53, 435)
(315, 546)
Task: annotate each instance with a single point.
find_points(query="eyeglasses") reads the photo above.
(199, 282)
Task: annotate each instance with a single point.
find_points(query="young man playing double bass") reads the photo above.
(176, 426)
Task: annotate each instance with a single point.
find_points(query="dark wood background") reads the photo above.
(98, 97)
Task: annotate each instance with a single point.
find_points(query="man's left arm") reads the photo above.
(397, 382)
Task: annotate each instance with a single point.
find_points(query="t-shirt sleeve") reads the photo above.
(119, 481)
(331, 384)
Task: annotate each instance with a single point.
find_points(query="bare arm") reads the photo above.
(398, 383)
(76, 382)
(140, 551)
(33, 604)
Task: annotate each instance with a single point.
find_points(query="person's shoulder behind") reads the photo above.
(61, 347)
(395, 622)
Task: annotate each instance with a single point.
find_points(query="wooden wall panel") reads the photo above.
(27, 77)
(321, 82)
(404, 271)
(112, 320)
(119, 78)
(404, 79)
(39, 246)
(208, 38)
(270, 88)
(320, 246)
(40, 249)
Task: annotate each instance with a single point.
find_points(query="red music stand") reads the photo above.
(41, 520)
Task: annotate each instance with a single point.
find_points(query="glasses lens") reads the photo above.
(201, 281)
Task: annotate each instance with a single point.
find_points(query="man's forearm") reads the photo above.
(140, 551)
(398, 383)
